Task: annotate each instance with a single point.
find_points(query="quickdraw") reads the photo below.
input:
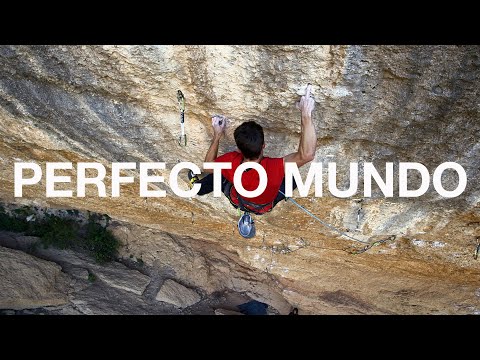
(477, 249)
(369, 246)
(182, 140)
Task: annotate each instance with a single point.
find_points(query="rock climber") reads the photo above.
(250, 143)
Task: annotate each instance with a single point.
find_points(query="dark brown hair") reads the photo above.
(249, 139)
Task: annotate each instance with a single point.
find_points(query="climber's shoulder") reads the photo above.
(229, 157)
(270, 161)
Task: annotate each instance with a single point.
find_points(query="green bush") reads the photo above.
(101, 242)
(65, 233)
(56, 231)
(11, 223)
(24, 211)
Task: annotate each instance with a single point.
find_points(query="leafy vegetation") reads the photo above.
(11, 223)
(101, 242)
(55, 231)
(65, 233)
(91, 277)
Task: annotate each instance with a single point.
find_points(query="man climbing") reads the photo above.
(250, 145)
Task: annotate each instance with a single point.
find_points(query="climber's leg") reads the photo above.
(207, 184)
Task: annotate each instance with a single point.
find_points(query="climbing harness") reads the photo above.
(257, 209)
(182, 140)
(331, 227)
(244, 205)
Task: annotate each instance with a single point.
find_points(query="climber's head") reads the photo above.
(249, 140)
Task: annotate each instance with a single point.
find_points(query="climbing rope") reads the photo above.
(331, 227)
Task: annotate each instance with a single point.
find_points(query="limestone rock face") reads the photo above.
(113, 274)
(29, 282)
(177, 294)
(373, 104)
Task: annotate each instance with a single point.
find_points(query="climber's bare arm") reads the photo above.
(218, 125)
(308, 137)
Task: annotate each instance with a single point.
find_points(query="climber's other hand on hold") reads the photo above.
(218, 124)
